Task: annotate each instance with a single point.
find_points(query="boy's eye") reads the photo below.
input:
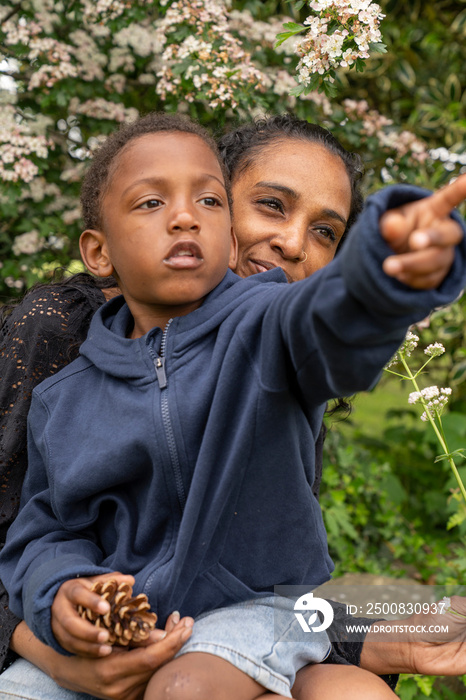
(272, 203)
(211, 201)
(150, 204)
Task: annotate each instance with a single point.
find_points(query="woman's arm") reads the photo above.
(348, 650)
(38, 337)
(121, 676)
(410, 645)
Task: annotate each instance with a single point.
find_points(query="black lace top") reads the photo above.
(37, 338)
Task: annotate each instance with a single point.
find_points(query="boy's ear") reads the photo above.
(94, 252)
(233, 251)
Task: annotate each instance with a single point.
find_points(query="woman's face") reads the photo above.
(290, 209)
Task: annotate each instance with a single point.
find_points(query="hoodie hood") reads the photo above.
(108, 348)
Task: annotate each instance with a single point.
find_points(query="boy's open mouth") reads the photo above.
(184, 255)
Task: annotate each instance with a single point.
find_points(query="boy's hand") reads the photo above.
(423, 237)
(74, 634)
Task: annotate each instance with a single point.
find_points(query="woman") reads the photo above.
(292, 204)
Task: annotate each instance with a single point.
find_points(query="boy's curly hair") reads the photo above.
(104, 161)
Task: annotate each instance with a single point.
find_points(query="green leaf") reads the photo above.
(298, 4)
(458, 373)
(297, 91)
(294, 27)
(456, 453)
(283, 36)
(407, 688)
(425, 683)
(406, 74)
(377, 47)
(330, 89)
(360, 65)
(456, 519)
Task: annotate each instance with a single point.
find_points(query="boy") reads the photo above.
(190, 417)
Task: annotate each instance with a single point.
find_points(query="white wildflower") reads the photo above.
(434, 350)
(430, 392)
(410, 343)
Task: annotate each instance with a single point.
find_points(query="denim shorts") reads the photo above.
(262, 638)
(23, 681)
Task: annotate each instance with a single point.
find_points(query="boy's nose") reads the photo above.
(184, 219)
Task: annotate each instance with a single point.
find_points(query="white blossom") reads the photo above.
(28, 243)
(320, 52)
(214, 61)
(434, 349)
(17, 142)
(432, 398)
(410, 343)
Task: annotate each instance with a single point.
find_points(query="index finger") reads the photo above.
(446, 199)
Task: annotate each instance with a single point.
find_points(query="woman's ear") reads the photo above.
(233, 251)
(94, 252)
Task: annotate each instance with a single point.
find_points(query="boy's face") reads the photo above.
(166, 226)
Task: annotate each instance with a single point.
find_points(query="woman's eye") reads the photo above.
(272, 203)
(150, 204)
(326, 231)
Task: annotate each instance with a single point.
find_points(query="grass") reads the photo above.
(369, 408)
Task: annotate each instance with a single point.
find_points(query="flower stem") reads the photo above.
(439, 435)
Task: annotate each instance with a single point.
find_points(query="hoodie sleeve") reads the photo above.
(40, 554)
(339, 327)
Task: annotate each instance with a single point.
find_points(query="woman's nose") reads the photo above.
(289, 243)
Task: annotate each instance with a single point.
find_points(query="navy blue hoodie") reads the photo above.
(186, 458)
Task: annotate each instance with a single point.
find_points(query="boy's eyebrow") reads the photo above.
(160, 180)
(294, 195)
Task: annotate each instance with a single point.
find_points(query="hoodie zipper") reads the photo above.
(159, 364)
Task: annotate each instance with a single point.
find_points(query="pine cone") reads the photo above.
(129, 619)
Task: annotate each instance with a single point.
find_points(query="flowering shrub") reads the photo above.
(341, 33)
(74, 71)
(202, 59)
(21, 150)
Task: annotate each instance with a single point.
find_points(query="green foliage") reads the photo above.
(387, 503)
(410, 687)
(361, 503)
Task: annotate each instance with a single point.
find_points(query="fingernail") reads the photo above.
(189, 622)
(175, 616)
(392, 266)
(186, 633)
(163, 635)
(105, 650)
(103, 607)
(102, 636)
(421, 239)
